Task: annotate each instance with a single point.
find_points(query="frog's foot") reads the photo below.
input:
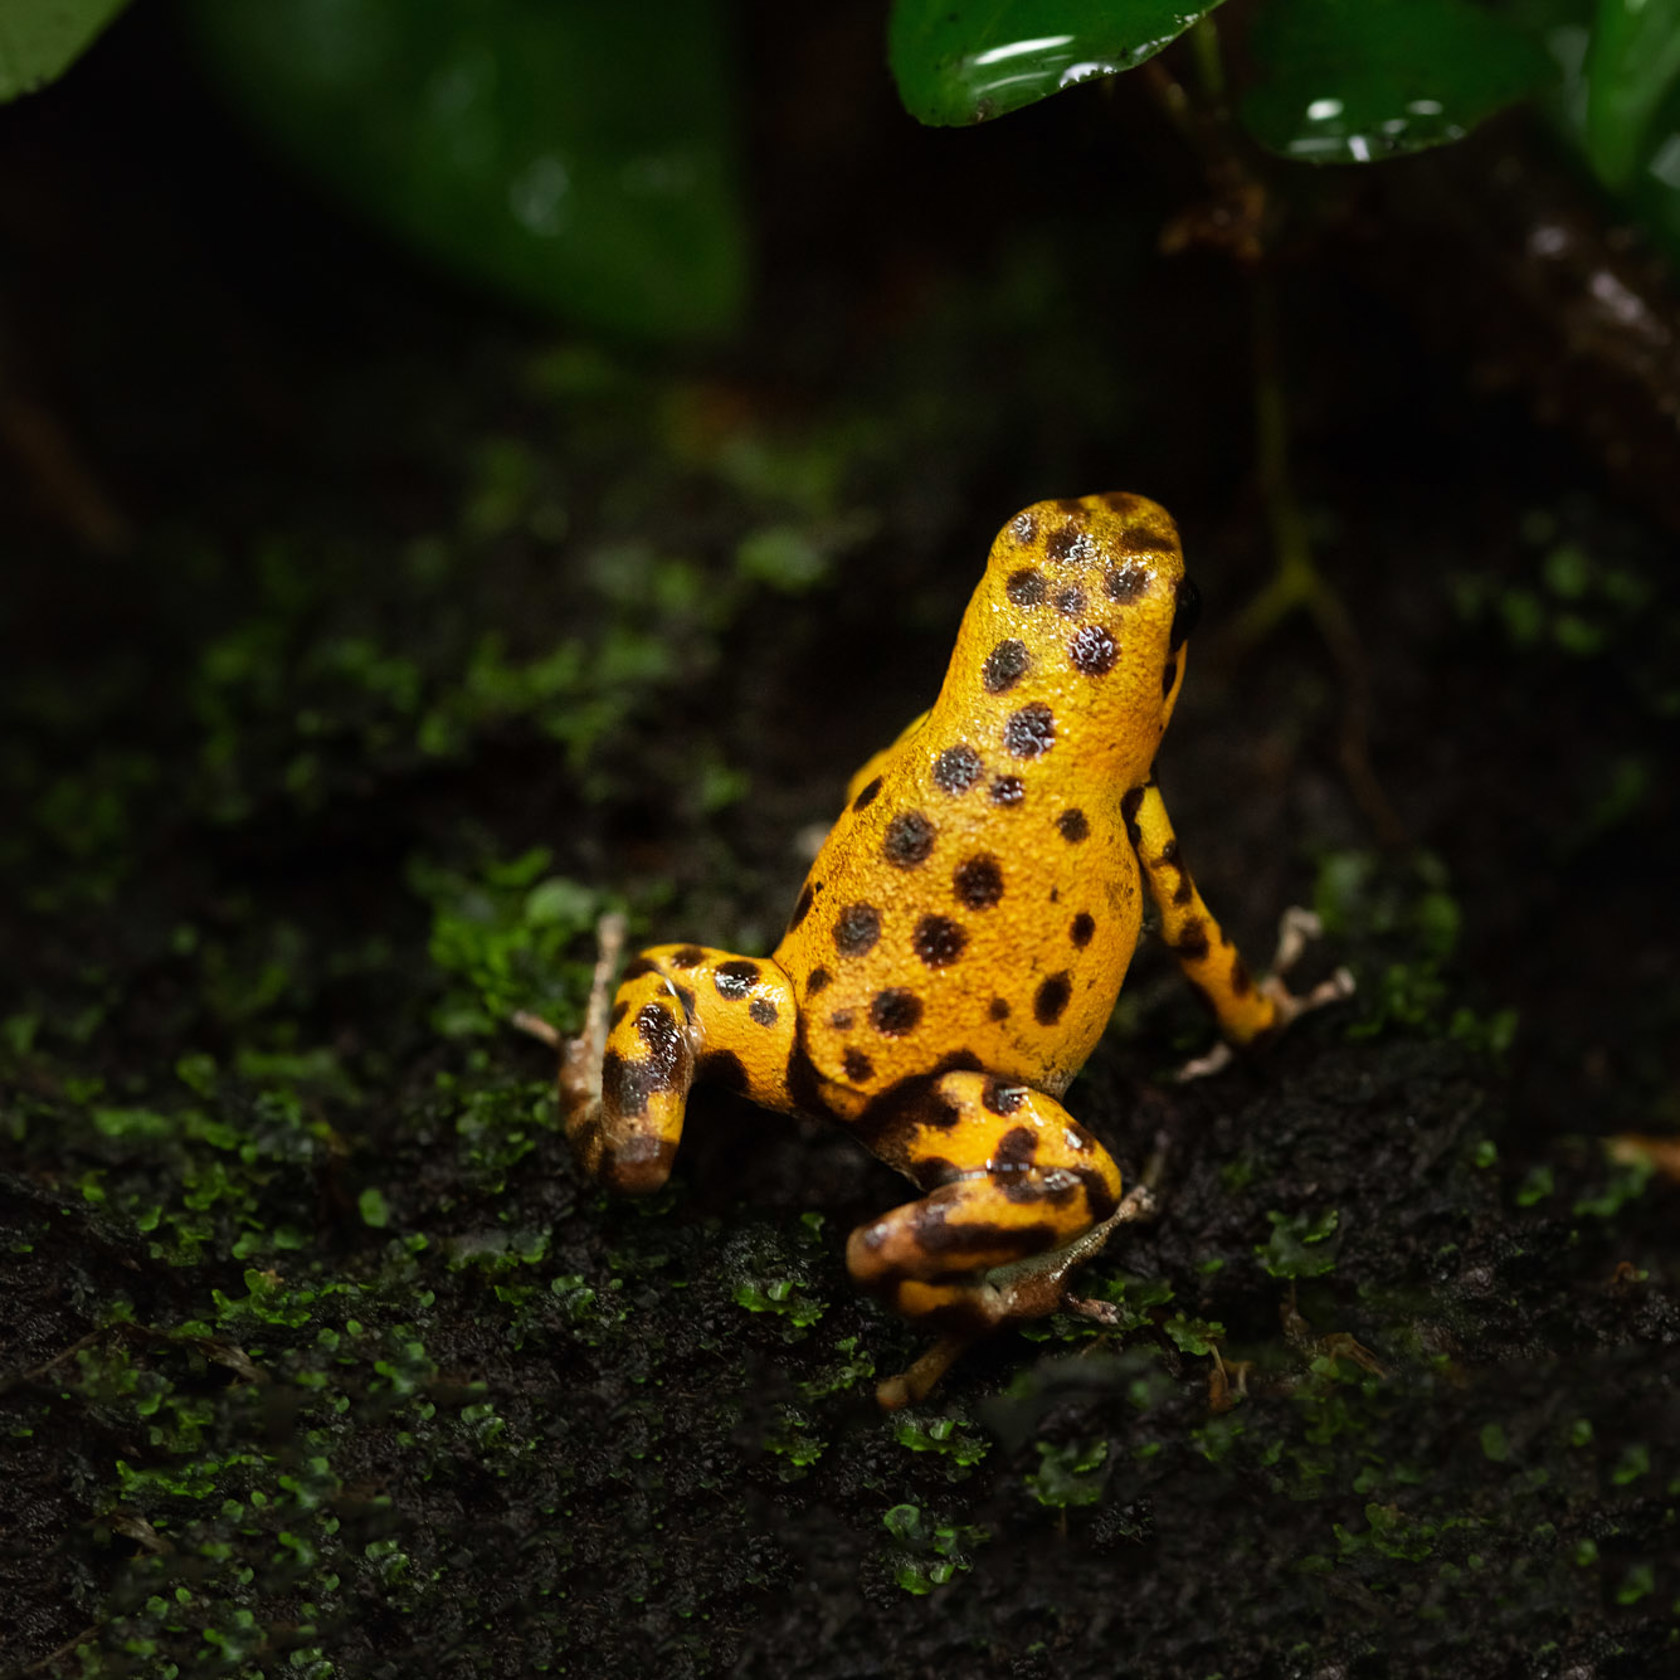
(1140, 1205)
(581, 1058)
(681, 1013)
(913, 1384)
(1215, 1061)
(1297, 928)
(994, 1241)
(621, 1134)
(1031, 1288)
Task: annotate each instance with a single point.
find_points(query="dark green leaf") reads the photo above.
(576, 155)
(1649, 188)
(1351, 81)
(1634, 62)
(41, 39)
(1655, 191)
(964, 61)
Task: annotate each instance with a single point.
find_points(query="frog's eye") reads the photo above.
(1186, 613)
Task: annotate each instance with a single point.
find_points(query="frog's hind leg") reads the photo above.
(1018, 1195)
(681, 1013)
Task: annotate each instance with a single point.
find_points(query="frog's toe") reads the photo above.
(1205, 1066)
(1292, 1005)
(1297, 928)
(913, 1385)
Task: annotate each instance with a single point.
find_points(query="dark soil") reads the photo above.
(334, 593)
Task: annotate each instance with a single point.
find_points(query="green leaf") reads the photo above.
(1289, 1251)
(1655, 193)
(1633, 63)
(577, 156)
(1070, 1475)
(41, 39)
(1353, 81)
(965, 61)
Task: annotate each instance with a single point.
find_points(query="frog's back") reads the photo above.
(978, 901)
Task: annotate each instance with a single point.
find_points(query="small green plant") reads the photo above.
(794, 1443)
(927, 1553)
(509, 937)
(1070, 1475)
(1299, 1245)
(943, 1437)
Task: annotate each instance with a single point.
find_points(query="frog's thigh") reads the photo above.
(1014, 1182)
(682, 1012)
(1209, 960)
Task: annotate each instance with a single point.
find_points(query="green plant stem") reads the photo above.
(1210, 62)
(1296, 582)
(1239, 182)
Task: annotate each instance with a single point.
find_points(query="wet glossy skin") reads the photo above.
(962, 936)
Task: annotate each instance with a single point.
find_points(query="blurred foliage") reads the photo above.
(581, 156)
(1633, 65)
(1617, 95)
(577, 156)
(41, 39)
(1350, 83)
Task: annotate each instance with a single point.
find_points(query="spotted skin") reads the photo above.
(1026, 1178)
(959, 944)
(1205, 953)
(681, 1012)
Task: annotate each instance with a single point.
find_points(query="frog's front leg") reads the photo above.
(1246, 1011)
(681, 1013)
(1018, 1194)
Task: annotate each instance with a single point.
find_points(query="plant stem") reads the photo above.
(1210, 62)
(1296, 581)
(1236, 221)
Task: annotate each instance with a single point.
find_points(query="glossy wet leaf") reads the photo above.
(41, 39)
(965, 61)
(577, 154)
(1351, 81)
(1633, 65)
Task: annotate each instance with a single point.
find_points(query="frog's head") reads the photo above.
(1077, 633)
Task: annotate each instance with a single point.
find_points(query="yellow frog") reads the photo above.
(959, 943)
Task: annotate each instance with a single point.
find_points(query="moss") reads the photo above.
(1299, 1245)
(1069, 1475)
(950, 1438)
(928, 1553)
